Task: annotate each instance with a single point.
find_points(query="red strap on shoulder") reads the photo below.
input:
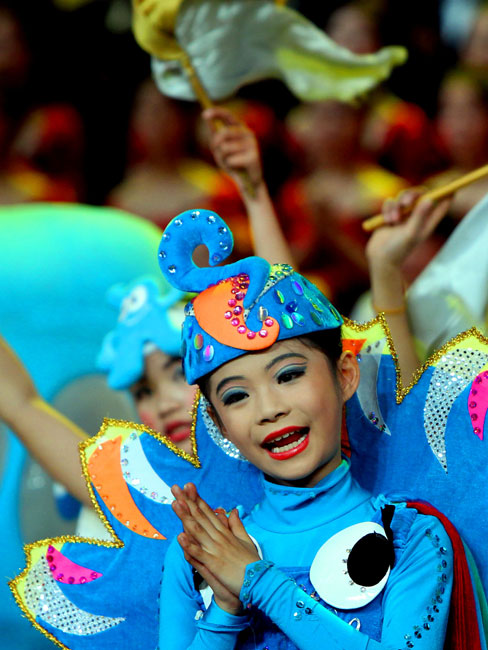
(463, 627)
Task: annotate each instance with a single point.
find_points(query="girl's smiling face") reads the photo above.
(164, 400)
(283, 409)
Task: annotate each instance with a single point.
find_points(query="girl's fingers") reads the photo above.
(217, 520)
(238, 160)
(221, 515)
(438, 213)
(232, 147)
(408, 197)
(190, 549)
(219, 113)
(176, 491)
(198, 527)
(391, 211)
(229, 145)
(237, 527)
(190, 491)
(203, 515)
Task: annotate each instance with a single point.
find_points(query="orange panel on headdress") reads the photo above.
(353, 345)
(219, 311)
(106, 474)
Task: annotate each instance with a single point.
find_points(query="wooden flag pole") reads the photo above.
(434, 195)
(205, 102)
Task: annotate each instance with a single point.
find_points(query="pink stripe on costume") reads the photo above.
(478, 403)
(66, 571)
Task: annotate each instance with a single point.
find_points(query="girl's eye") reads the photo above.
(231, 397)
(141, 392)
(290, 373)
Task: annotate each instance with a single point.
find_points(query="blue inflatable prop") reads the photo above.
(57, 263)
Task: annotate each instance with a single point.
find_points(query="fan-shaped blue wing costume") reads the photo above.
(90, 594)
(427, 438)
(111, 593)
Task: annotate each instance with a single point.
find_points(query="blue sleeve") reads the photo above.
(415, 602)
(183, 623)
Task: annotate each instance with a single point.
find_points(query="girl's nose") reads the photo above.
(271, 407)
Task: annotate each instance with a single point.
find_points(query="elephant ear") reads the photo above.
(193, 228)
(116, 294)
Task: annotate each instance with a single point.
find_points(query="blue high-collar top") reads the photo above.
(282, 610)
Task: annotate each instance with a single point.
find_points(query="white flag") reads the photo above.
(451, 293)
(234, 42)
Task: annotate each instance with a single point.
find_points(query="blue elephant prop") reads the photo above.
(57, 263)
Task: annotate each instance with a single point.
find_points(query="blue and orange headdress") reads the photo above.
(242, 307)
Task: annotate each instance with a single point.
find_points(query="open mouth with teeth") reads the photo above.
(286, 443)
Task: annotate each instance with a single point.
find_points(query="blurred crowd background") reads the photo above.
(81, 121)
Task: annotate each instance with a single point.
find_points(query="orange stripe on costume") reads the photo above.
(106, 475)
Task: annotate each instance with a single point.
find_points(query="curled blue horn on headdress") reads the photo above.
(242, 307)
(191, 229)
(144, 318)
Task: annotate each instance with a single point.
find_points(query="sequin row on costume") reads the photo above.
(438, 595)
(454, 371)
(213, 431)
(232, 310)
(65, 570)
(47, 602)
(113, 490)
(302, 609)
(140, 475)
(478, 403)
(225, 243)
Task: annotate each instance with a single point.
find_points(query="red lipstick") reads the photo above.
(178, 430)
(284, 438)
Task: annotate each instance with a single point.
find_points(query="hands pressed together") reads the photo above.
(217, 546)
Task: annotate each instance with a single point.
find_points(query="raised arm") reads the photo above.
(50, 437)
(236, 152)
(387, 250)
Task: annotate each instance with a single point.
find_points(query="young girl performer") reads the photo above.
(142, 353)
(127, 466)
(139, 355)
(318, 557)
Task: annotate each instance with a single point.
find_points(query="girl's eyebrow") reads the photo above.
(281, 357)
(276, 360)
(227, 379)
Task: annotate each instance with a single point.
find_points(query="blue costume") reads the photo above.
(333, 529)
(53, 314)
(290, 525)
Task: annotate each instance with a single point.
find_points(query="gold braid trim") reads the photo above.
(462, 340)
(17, 584)
(109, 429)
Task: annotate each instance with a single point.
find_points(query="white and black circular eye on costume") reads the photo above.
(353, 566)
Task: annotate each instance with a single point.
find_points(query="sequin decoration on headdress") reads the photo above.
(144, 320)
(242, 307)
